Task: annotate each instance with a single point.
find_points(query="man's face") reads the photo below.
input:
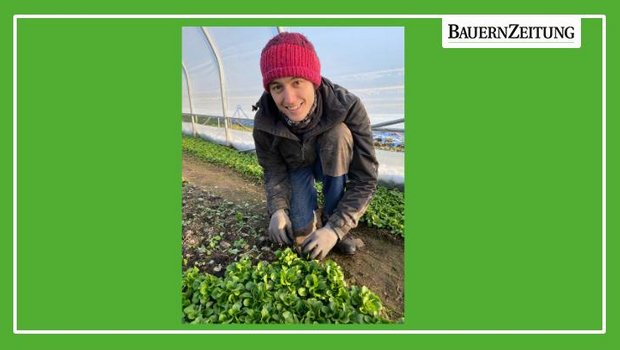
(294, 96)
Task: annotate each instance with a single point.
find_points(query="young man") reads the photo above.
(308, 128)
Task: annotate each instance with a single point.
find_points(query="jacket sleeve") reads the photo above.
(277, 186)
(362, 172)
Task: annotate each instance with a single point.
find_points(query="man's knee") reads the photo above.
(339, 133)
(336, 150)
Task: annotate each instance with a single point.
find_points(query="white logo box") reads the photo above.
(511, 31)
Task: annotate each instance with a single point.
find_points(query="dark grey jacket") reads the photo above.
(280, 151)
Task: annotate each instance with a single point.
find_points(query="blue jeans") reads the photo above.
(304, 196)
(334, 150)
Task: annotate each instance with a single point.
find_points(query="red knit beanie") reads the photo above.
(289, 55)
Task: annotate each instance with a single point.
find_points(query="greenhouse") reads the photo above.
(221, 82)
(236, 269)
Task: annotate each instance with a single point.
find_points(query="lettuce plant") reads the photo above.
(289, 290)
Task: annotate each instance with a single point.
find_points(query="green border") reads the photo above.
(406, 325)
(448, 7)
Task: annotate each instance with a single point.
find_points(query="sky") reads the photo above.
(368, 61)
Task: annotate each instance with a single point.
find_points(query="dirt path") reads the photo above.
(379, 265)
(221, 181)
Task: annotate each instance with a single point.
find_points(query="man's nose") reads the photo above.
(288, 95)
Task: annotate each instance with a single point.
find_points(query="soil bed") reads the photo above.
(225, 219)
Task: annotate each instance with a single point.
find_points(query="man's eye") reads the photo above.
(276, 88)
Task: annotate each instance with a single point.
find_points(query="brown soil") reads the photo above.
(221, 181)
(213, 194)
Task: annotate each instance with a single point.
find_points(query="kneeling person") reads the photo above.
(308, 128)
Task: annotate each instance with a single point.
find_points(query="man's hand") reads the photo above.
(280, 228)
(320, 242)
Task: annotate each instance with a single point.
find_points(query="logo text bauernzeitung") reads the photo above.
(510, 31)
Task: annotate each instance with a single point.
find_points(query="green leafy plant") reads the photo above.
(289, 290)
(244, 163)
(386, 210)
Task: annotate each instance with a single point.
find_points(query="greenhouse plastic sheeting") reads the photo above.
(368, 61)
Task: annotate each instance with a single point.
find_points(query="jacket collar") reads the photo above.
(334, 111)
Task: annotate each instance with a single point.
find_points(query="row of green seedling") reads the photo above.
(385, 211)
